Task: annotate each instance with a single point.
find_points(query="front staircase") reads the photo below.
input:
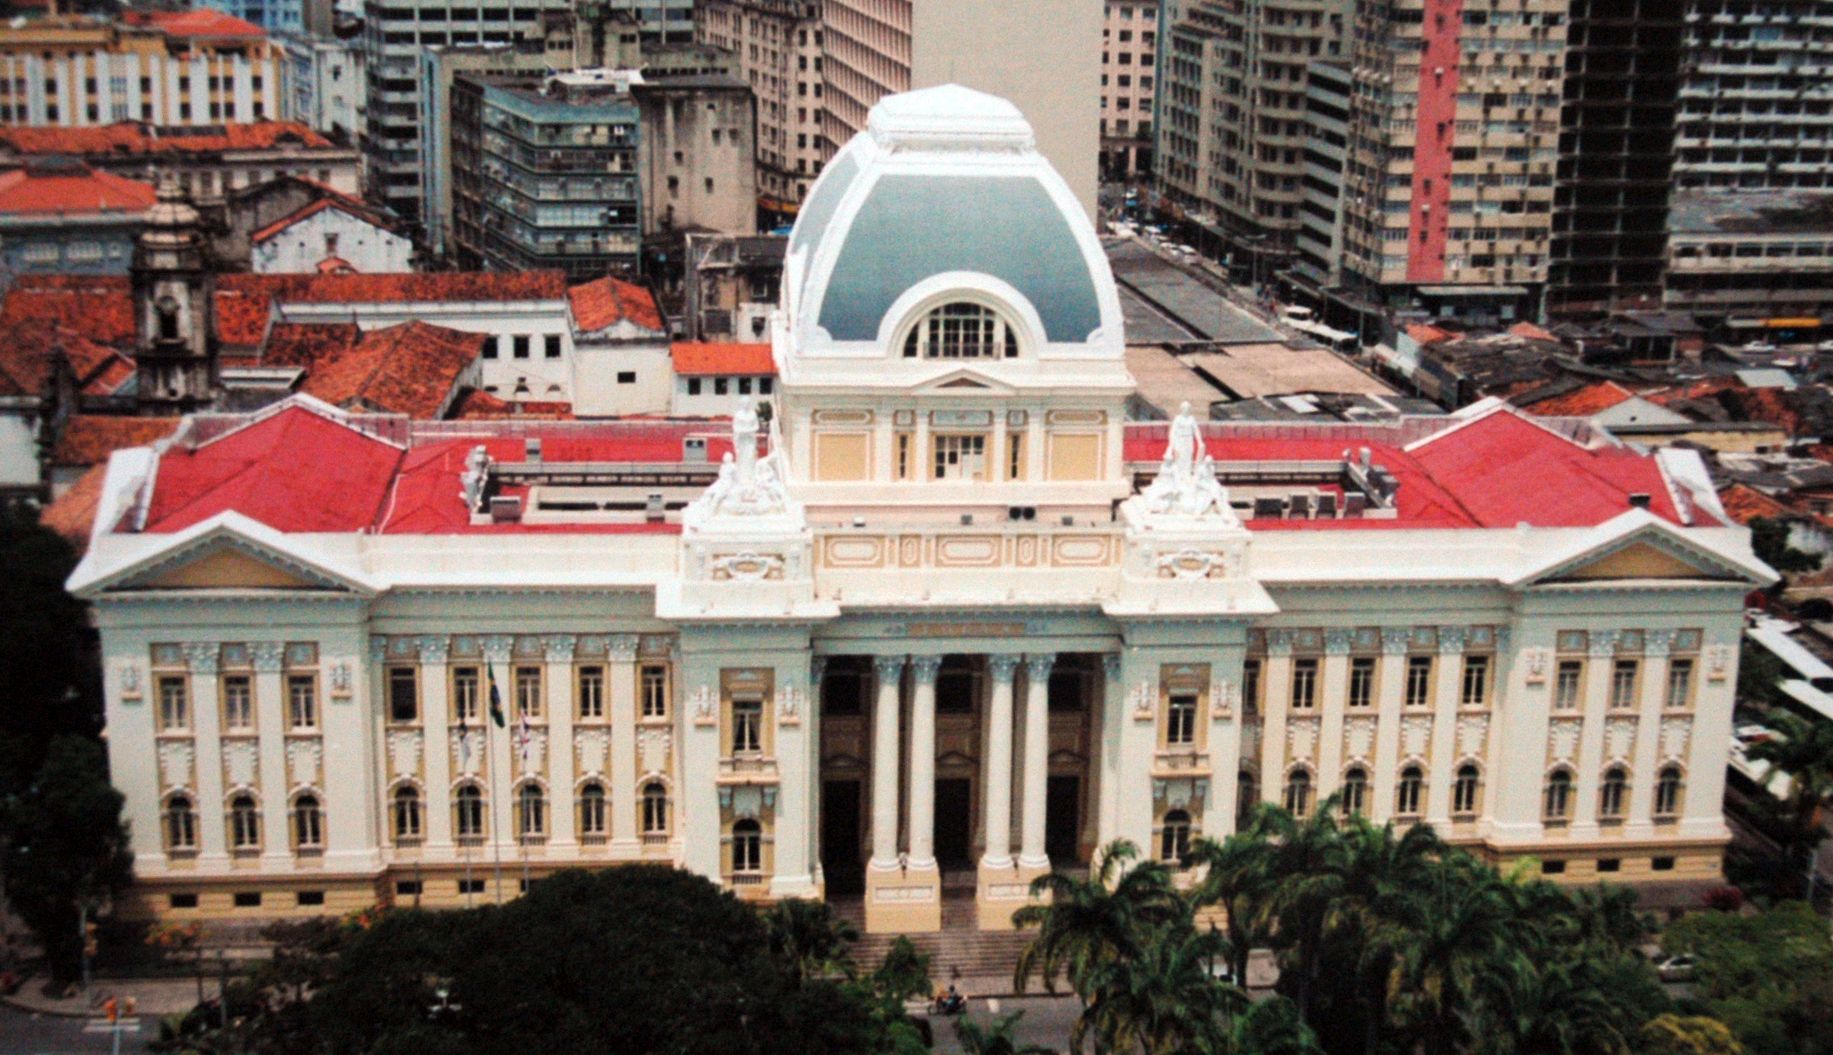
(982, 960)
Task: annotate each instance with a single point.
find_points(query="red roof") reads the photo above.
(1581, 402)
(695, 358)
(72, 513)
(76, 189)
(133, 137)
(604, 302)
(1744, 504)
(99, 307)
(1426, 334)
(33, 349)
(198, 22)
(305, 343)
(343, 203)
(244, 302)
(477, 405)
(294, 471)
(88, 439)
(411, 369)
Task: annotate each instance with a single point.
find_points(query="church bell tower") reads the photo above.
(174, 318)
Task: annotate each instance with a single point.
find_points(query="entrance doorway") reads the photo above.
(1063, 819)
(840, 836)
(954, 823)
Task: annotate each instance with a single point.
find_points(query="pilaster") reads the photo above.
(1390, 699)
(1446, 701)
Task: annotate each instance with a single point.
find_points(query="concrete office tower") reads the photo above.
(1129, 61)
(1233, 105)
(1449, 192)
(1032, 52)
(1616, 155)
(778, 46)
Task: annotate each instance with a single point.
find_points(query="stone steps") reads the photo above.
(960, 949)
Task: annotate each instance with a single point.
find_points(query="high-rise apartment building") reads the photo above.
(1616, 155)
(1234, 111)
(1454, 125)
(394, 35)
(1319, 262)
(1129, 60)
(1027, 51)
(778, 44)
(659, 21)
(162, 67)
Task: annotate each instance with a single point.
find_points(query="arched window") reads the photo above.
(592, 809)
(407, 815)
(531, 812)
(962, 330)
(308, 823)
(1613, 793)
(1247, 794)
(655, 808)
(1174, 837)
(1408, 792)
(180, 823)
(469, 805)
(1464, 792)
(244, 823)
(1298, 793)
(1667, 792)
(1355, 791)
(1558, 805)
(747, 847)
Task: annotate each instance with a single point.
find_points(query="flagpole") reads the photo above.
(496, 839)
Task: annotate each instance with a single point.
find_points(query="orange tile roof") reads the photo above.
(477, 405)
(33, 350)
(133, 137)
(1531, 331)
(99, 307)
(305, 343)
(343, 203)
(411, 368)
(198, 22)
(1581, 402)
(1745, 503)
(691, 358)
(604, 302)
(88, 439)
(1425, 334)
(72, 513)
(75, 189)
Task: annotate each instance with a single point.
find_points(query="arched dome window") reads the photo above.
(962, 330)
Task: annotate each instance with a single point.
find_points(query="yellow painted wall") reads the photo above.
(842, 456)
(1075, 456)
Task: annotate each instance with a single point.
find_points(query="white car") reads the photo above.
(1676, 968)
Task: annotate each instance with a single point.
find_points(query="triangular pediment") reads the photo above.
(966, 381)
(1638, 547)
(227, 552)
(1641, 560)
(226, 566)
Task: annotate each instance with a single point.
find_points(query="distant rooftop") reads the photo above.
(1718, 211)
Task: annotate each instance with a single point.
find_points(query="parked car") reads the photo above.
(1676, 968)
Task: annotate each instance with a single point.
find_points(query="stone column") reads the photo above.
(1276, 688)
(621, 684)
(817, 672)
(1444, 727)
(1113, 719)
(435, 719)
(499, 767)
(998, 780)
(889, 671)
(793, 874)
(557, 686)
(1031, 853)
(1390, 689)
(202, 658)
(1224, 721)
(1332, 700)
(271, 725)
(923, 763)
(1599, 662)
(1645, 762)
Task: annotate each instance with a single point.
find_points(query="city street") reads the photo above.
(1046, 1022)
(25, 1033)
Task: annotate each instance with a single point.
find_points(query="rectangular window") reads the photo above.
(528, 692)
(302, 701)
(1181, 719)
(1361, 681)
(1475, 692)
(551, 347)
(403, 694)
(248, 899)
(1680, 683)
(655, 692)
(626, 377)
(470, 886)
(693, 386)
(720, 385)
(1015, 456)
(747, 724)
(1623, 684)
(183, 900)
(490, 346)
(521, 346)
(407, 887)
(1610, 864)
(174, 703)
(238, 702)
(464, 695)
(903, 456)
(1419, 681)
(591, 692)
(1250, 687)
(1304, 684)
(1569, 684)
(960, 457)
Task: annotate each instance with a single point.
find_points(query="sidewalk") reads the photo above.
(153, 996)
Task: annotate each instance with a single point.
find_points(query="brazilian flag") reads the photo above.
(496, 698)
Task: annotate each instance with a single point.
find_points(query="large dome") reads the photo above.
(945, 192)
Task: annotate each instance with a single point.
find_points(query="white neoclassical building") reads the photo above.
(938, 617)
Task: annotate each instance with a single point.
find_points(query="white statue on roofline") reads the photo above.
(1186, 484)
(747, 485)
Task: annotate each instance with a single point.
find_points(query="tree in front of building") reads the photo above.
(1767, 976)
(1802, 749)
(1769, 539)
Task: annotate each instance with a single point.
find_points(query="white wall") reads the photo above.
(615, 380)
(300, 248)
(710, 402)
(18, 450)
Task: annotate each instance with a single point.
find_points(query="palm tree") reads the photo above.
(1083, 922)
(1449, 945)
(810, 939)
(994, 1038)
(1803, 750)
(1552, 1007)
(1266, 1027)
(1162, 1000)
(1308, 870)
(1237, 875)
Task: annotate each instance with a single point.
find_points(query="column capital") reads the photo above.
(1451, 640)
(203, 656)
(269, 656)
(1657, 642)
(1279, 642)
(817, 669)
(1602, 643)
(888, 667)
(435, 649)
(558, 648)
(1002, 665)
(1337, 640)
(621, 648)
(1395, 640)
(925, 668)
(1110, 665)
(497, 648)
(1038, 664)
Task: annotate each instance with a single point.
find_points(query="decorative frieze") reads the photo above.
(269, 656)
(591, 750)
(1619, 738)
(404, 752)
(1359, 737)
(1675, 732)
(1472, 734)
(1562, 739)
(241, 763)
(304, 757)
(176, 758)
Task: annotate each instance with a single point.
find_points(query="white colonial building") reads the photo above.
(940, 612)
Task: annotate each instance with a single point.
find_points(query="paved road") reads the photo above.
(1046, 1021)
(23, 1033)
(1190, 303)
